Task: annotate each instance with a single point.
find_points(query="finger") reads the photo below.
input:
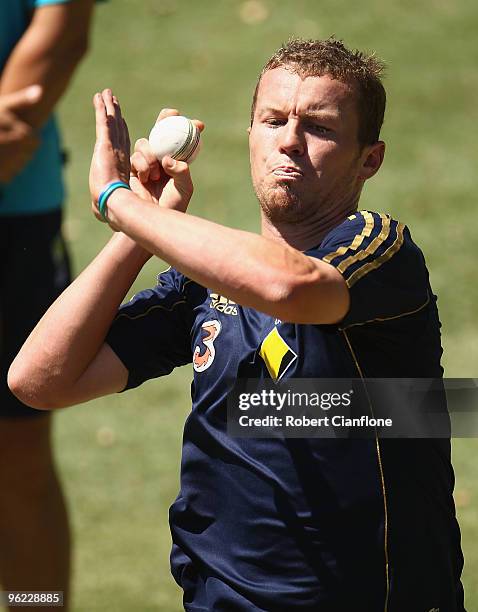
(8, 120)
(199, 124)
(21, 99)
(179, 172)
(138, 188)
(108, 100)
(112, 117)
(126, 135)
(14, 129)
(140, 167)
(142, 146)
(100, 116)
(117, 112)
(19, 144)
(121, 127)
(167, 112)
(20, 154)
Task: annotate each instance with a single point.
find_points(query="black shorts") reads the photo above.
(34, 270)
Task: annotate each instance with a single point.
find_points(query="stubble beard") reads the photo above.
(281, 204)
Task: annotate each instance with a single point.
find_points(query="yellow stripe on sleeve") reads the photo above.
(372, 247)
(358, 239)
(376, 263)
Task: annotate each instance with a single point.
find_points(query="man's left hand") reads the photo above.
(110, 160)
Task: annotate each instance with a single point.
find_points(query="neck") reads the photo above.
(308, 235)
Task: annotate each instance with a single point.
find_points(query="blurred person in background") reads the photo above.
(41, 42)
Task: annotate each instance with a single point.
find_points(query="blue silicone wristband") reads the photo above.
(105, 194)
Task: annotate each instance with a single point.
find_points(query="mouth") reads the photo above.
(287, 172)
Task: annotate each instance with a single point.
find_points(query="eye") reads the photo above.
(275, 122)
(319, 129)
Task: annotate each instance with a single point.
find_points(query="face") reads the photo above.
(304, 151)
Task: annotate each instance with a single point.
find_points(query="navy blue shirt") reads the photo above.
(305, 524)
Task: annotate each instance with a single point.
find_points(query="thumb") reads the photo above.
(179, 172)
(23, 98)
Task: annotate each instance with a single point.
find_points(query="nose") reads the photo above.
(291, 138)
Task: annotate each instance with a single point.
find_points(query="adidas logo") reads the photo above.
(222, 304)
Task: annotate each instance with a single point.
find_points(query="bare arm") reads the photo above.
(247, 268)
(251, 270)
(65, 360)
(47, 54)
(17, 139)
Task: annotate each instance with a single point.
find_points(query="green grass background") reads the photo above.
(119, 457)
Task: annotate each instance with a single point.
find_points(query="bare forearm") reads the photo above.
(47, 54)
(250, 269)
(72, 331)
(26, 70)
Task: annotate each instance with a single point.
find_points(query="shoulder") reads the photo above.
(167, 295)
(368, 240)
(175, 281)
(383, 268)
(170, 277)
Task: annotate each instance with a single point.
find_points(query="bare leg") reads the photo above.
(34, 530)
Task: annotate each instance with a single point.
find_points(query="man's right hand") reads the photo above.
(167, 183)
(18, 140)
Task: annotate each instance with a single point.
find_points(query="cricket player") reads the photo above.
(327, 290)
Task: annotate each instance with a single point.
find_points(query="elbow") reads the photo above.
(27, 389)
(286, 298)
(314, 297)
(286, 285)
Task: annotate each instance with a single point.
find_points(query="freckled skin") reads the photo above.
(309, 124)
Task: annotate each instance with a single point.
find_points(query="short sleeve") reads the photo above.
(384, 269)
(151, 333)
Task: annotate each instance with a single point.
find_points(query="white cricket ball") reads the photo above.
(177, 137)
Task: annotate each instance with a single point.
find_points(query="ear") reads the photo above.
(371, 159)
(249, 130)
